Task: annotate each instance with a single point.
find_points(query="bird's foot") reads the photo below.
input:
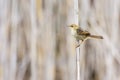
(77, 45)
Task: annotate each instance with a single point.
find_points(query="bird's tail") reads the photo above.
(97, 37)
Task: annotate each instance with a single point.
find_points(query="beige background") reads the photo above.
(36, 44)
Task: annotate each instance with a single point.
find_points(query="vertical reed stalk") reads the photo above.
(76, 20)
(33, 54)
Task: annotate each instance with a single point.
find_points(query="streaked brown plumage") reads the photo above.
(80, 34)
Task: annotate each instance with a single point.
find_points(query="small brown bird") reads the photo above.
(82, 35)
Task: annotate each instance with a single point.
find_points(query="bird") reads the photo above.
(82, 35)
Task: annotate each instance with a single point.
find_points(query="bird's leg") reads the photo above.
(81, 42)
(78, 44)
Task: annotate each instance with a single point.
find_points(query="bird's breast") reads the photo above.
(78, 37)
(73, 32)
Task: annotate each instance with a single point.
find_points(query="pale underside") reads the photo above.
(78, 37)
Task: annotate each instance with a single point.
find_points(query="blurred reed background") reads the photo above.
(36, 44)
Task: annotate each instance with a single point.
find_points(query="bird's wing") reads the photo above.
(81, 32)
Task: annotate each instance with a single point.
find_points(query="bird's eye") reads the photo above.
(71, 25)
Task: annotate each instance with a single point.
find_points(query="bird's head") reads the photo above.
(74, 26)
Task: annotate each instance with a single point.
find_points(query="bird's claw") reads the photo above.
(77, 45)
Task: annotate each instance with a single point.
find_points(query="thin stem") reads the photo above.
(76, 19)
(78, 62)
(33, 51)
